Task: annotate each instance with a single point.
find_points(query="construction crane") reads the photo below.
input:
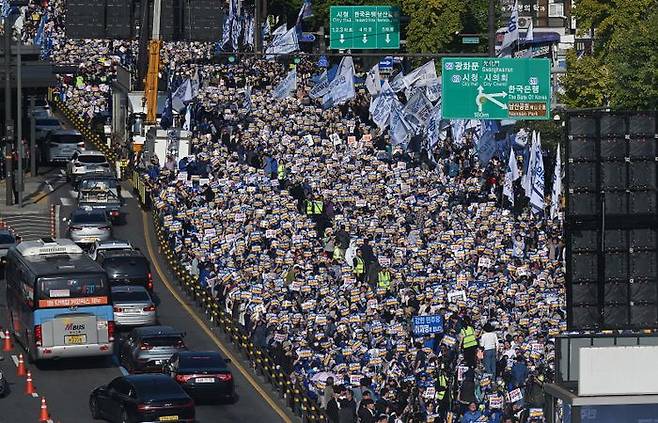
(152, 73)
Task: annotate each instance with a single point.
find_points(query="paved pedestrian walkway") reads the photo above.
(34, 218)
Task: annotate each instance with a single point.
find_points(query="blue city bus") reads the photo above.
(59, 300)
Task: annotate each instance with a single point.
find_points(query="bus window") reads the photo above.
(70, 291)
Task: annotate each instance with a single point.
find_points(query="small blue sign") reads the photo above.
(307, 37)
(323, 62)
(386, 63)
(427, 325)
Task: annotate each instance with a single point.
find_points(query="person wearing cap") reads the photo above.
(381, 418)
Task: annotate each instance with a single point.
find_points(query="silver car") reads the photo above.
(133, 306)
(85, 162)
(114, 244)
(7, 240)
(87, 226)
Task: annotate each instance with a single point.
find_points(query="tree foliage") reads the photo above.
(623, 72)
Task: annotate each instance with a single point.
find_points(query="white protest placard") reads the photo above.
(484, 262)
(495, 401)
(280, 337)
(514, 395)
(335, 139)
(454, 296)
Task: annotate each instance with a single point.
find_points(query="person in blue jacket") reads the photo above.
(472, 414)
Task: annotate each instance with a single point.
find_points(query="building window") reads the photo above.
(556, 10)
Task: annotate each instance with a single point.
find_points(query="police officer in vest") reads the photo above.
(441, 389)
(359, 266)
(384, 279)
(469, 343)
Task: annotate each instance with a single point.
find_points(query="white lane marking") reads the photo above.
(62, 172)
(66, 201)
(35, 395)
(126, 194)
(73, 194)
(2, 334)
(14, 358)
(49, 186)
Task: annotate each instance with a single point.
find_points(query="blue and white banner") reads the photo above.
(305, 12)
(249, 30)
(458, 129)
(421, 76)
(418, 109)
(321, 87)
(526, 182)
(40, 35)
(537, 193)
(434, 129)
(235, 32)
(557, 185)
(433, 90)
(283, 44)
(182, 95)
(287, 86)
(427, 325)
(188, 118)
(247, 99)
(226, 31)
(373, 80)
(511, 175)
(341, 88)
(397, 83)
(486, 147)
(380, 106)
(399, 128)
(512, 34)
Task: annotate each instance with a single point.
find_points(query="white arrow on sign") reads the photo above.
(365, 38)
(388, 38)
(342, 38)
(482, 97)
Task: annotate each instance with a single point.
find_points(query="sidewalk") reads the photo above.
(34, 219)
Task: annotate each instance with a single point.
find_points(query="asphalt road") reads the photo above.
(66, 384)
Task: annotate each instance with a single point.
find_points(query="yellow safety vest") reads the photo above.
(309, 207)
(468, 339)
(384, 279)
(443, 383)
(338, 253)
(360, 267)
(281, 172)
(318, 207)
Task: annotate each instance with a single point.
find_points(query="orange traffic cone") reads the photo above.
(29, 387)
(6, 343)
(20, 370)
(43, 415)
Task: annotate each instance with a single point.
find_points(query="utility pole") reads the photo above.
(19, 121)
(492, 28)
(9, 127)
(33, 139)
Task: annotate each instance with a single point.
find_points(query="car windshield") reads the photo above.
(99, 184)
(89, 218)
(91, 158)
(66, 138)
(47, 122)
(201, 362)
(130, 296)
(6, 239)
(77, 286)
(126, 265)
(146, 388)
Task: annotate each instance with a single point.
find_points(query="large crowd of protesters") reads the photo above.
(324, 241)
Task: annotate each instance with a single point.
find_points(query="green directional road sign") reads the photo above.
(496, 88)
(364, 27)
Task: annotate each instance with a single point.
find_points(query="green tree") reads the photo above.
(586, 82)
(432, 24)
(633, 62)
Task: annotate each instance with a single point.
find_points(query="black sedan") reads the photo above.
(203, 375)
(141, 398)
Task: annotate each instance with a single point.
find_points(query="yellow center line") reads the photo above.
(208, 332)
